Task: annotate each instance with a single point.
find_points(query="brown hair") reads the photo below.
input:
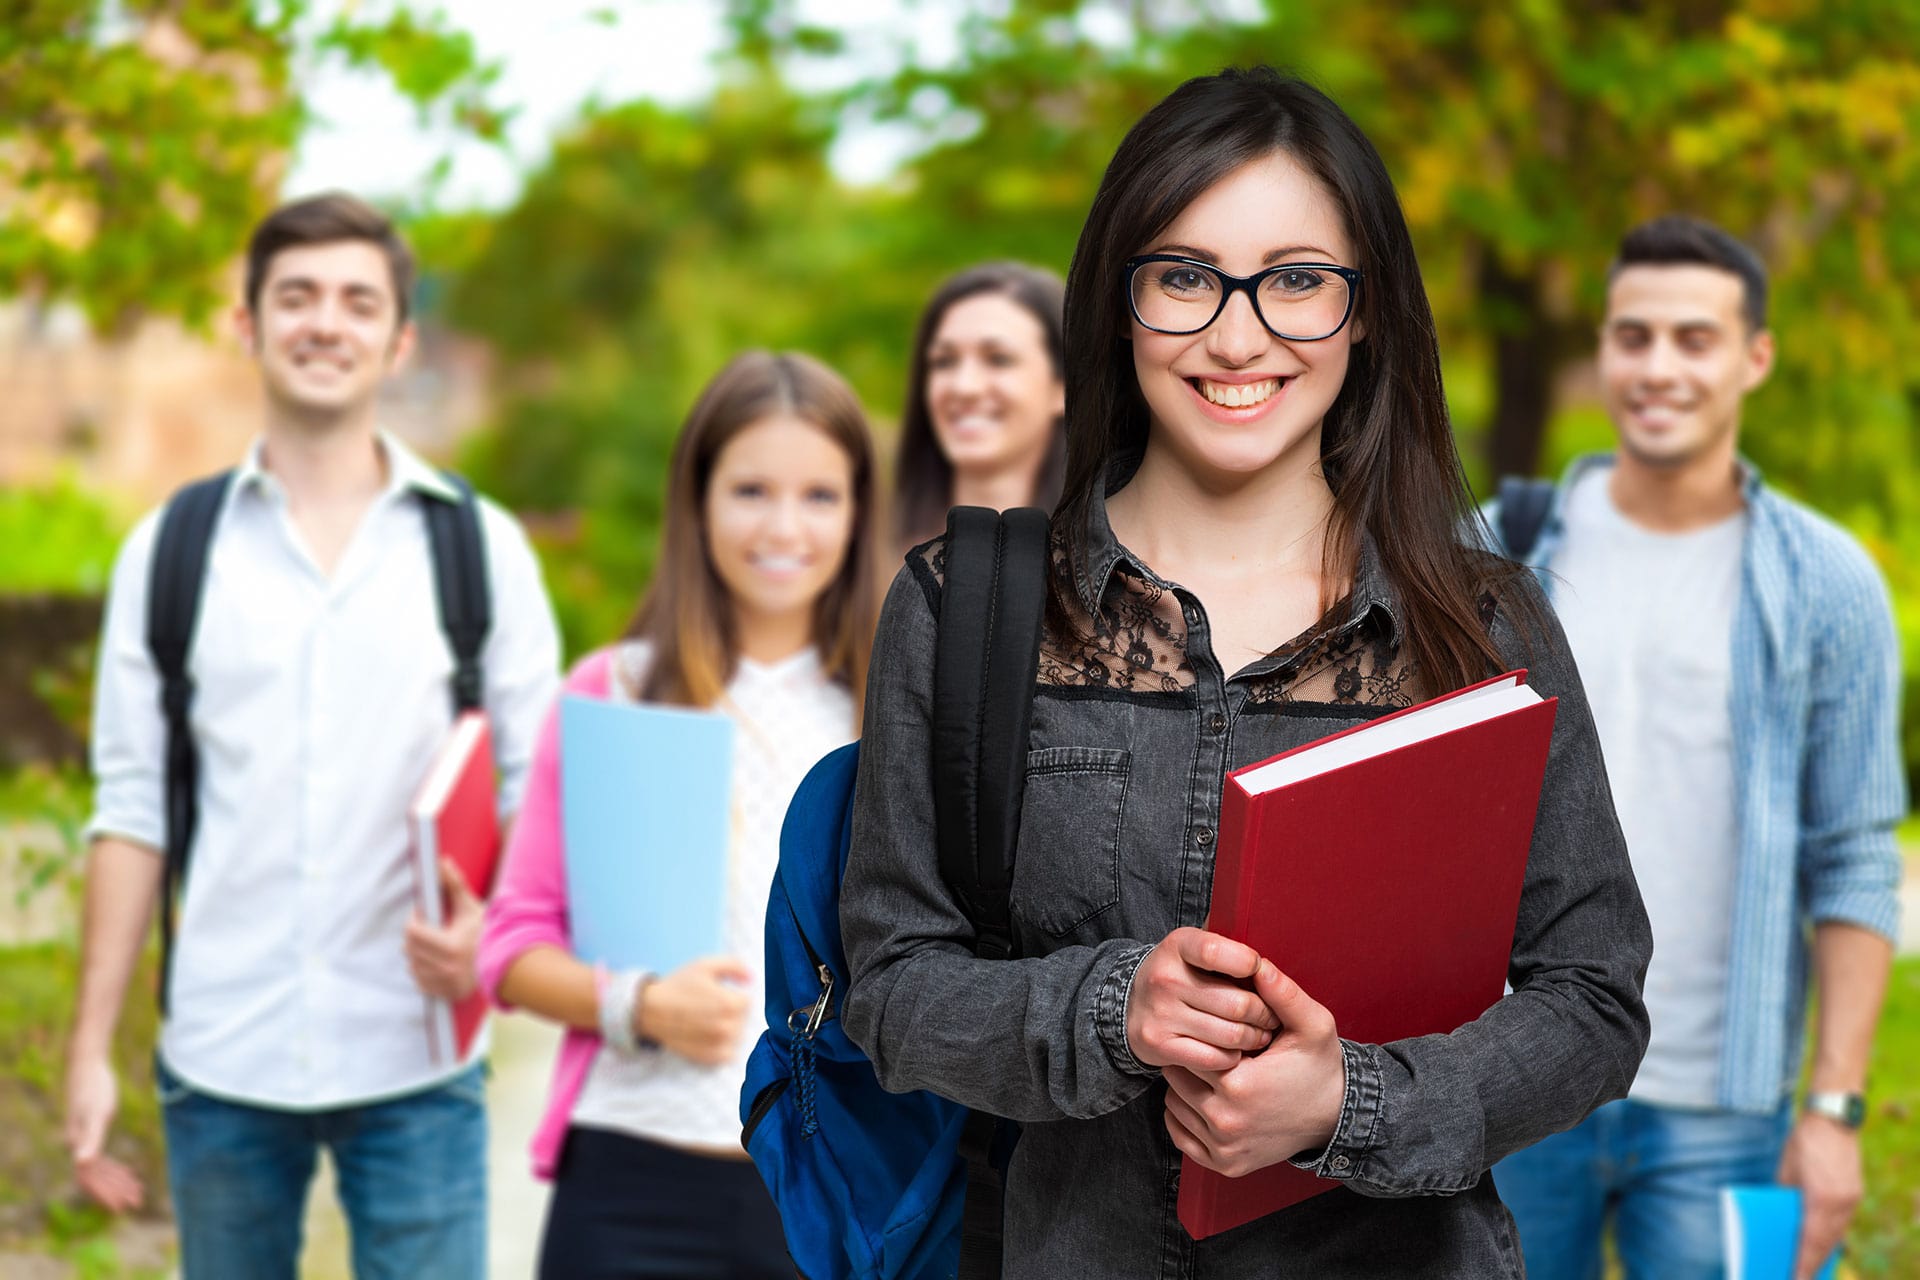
(924, 478)
(1678, 240)
(1386, 446)
(684, 614)
(327, 219)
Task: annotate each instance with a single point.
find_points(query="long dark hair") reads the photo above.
(1386, 447)
(685, 614)
(924, 477)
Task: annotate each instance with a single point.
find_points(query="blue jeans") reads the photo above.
(412, 1173)
(1655, 1171)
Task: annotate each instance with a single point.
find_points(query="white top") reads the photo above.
(318, 705)
(788, 715)
(1649, 617)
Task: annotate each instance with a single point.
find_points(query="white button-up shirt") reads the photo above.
(318, 704)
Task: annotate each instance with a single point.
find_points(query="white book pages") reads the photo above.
(445, 770)
(1472, 707)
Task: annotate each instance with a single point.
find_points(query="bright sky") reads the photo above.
(557, 55)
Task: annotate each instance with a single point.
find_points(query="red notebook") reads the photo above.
(453, 815)
(1381, 869)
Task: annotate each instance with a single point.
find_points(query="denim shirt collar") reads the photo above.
(1104, 554)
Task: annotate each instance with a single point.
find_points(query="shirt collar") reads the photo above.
(1104, 554)
(1750, 481)
(406, 470)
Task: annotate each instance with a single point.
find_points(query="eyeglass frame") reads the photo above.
(1236, 284)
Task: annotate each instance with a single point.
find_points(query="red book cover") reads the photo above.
(1385, 882)
(454, 815)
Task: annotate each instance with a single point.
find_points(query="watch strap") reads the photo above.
(1849, 1109)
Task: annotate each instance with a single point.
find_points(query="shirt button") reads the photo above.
(1203, 836)
(1216, 724)
(1341, 1162)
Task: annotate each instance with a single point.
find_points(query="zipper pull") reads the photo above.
(818, 1013)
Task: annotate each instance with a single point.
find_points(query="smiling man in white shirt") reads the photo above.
(296, 1009)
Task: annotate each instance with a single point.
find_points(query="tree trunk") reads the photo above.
(1524, 358)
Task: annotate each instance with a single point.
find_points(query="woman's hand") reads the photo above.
(1190, 1005)
(698, 1010)
(1272, 1105)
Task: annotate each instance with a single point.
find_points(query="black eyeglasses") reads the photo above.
(1296, 301)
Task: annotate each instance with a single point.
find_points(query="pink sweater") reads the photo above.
(529, 905)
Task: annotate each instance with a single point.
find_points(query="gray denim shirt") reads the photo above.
(1132, 739)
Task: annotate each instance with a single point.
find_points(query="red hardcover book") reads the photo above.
(454, 816)
(1380, 868)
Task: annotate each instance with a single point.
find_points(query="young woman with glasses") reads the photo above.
(762, 609)
(1260, 541)
(983, 424)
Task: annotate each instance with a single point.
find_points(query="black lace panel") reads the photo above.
(1139, 644)
(1340, 662)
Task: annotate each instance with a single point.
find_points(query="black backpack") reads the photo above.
(1524, 504)
(177, 578)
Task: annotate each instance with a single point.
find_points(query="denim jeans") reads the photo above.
(412, 1173)
(1656, 1172)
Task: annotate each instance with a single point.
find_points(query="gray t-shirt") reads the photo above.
(1649, 617)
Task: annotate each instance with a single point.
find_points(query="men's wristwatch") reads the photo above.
(1849, 1109)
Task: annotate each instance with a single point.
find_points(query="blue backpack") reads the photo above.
(872, 1184)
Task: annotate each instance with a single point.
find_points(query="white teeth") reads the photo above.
(1238, 396)
(779, 564)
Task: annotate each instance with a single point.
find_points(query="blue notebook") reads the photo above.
(644, 794)
(1762, 1226)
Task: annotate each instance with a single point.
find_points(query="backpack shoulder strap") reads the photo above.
(1524, 503)
(176, 579)
(460, 586)
(984, 654)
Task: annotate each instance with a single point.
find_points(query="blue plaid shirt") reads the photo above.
(1818, 779)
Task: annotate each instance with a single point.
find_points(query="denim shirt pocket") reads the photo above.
(1067, 868)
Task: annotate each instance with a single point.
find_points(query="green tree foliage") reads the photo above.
(140, 140)
(1524, 139)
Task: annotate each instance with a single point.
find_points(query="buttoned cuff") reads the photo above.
(1110, 1013)
(1354, 1133)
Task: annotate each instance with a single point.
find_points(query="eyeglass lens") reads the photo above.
(1179, 297)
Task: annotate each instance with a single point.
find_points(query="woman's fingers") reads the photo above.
(1197, 1055)
(1189, 1143)
(1222, 1033)
(1183, 1109)
(1298, 1012)
(1231, 1002)
(1215, 954)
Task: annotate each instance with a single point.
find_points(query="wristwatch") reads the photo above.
(1849, 1109)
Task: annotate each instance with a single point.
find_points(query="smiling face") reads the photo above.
(778, 516)
(1233, 400)
(1676, 360)
(326, 330)
(992, 391)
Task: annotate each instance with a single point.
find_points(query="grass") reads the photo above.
(1886, 1238)
(40, 1210)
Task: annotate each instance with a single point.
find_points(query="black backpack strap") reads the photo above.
(175, 580)
(460, 586)
(985, 652)
(1524, 503)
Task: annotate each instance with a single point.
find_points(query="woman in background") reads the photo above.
(762, 609)
(984, 424)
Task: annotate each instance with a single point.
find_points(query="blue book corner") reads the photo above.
(1762, 1226)
(644, 794)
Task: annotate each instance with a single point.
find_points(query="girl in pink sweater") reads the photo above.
(763, 609)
